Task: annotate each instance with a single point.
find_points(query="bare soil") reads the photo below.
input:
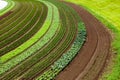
(91, 59)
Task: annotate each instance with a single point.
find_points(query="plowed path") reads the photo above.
(91, 59)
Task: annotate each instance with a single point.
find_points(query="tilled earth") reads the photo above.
(91, 59)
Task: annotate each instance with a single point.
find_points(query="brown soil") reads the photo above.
(91, 59)
(5, 15)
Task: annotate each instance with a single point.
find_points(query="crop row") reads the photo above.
(11, 35)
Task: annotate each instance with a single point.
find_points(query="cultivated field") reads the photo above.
(57, 40)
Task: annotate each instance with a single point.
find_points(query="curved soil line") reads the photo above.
(91, 59)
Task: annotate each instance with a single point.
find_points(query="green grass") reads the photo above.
(108, 12)
(109, 9)
(9, 6)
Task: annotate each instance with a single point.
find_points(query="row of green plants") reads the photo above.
(17, 31)
(9, 6)
(32, 40)
(64, 60)
(39, 44)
